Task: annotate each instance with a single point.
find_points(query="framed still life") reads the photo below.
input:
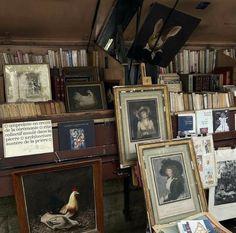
(171, 182)
(76, 135)
(142, 115)
(89, 96)
(60, 198)
(27, 83)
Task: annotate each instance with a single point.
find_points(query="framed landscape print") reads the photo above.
(27, 83)
(60, 198)
(222, 197)
(76, 135)
(88, 96)
(142, 115)
(172, 186)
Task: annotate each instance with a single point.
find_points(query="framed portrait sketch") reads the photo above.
(222, 197)
(60, 198)
(27, 83)
(88, 96)
(142, 115)
(171, 182)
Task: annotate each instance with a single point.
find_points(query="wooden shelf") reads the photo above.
(105, 148)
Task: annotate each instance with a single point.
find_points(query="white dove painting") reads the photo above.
(60, 198)
(85, 97)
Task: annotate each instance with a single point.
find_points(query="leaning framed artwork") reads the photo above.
(142, 115)
(88, 96)
(222, 197)
(66, 197)
(171, 182)
(27, 83)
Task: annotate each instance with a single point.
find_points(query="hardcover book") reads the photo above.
(204, 121)
(76, 135)
(186, 124)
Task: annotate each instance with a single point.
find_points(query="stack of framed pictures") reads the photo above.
(142, 115)
(172, 187)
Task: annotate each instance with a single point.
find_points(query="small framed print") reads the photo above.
(27, 83)
(172, 186)
(60, 198)
(142, 115)
(80, 74)
(88, 96)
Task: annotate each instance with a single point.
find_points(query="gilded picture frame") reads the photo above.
(61, 197)
(171, 181)
(27, 83)
(142, 115)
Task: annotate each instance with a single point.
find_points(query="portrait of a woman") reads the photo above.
(145, 126)
(172, 170)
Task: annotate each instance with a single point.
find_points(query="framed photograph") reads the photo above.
(80, 74)
(60, 198)
(76, 135)
(171, 182)
(222, 197)
(142, 115)
(88, 96)
(27, 83)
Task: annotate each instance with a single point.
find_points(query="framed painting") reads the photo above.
(171, 181)
(142, 115)
(80, 74)
(60, 198)
(89, 96)
(222, 197)
(27, 83)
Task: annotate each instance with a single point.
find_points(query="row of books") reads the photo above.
(30, 109)
(55, 58)
(202, 82)
(192, 61)
(204, 122)
(180, 101)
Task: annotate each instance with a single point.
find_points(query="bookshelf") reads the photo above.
(105, 148)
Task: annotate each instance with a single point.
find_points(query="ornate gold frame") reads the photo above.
(122, 94)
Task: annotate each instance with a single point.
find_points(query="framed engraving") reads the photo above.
(172, 186)
(60, 198)
(27, 83)
(88, 96)
(142, 115)
(222, 197)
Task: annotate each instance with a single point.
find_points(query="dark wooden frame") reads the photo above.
(97, 184)
(78, 85)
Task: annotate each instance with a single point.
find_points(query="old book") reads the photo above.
(204, 121)
(55, 83)
(76, 135)
(186, 124)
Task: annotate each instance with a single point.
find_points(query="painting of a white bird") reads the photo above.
(71, 208)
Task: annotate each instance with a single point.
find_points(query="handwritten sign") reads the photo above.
(27, 138)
